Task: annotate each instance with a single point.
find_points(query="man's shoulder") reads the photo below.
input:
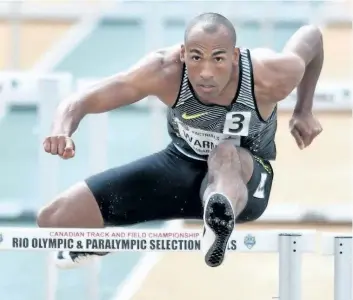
(164, 70)
(169, 61)
(160, 61)
(276, 74)
(262, 54)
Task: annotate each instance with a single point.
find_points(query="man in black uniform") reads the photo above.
(222, 122)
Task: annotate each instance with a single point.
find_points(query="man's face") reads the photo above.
(209, 58)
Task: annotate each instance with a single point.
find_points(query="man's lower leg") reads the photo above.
(74, 208)
(224, 198)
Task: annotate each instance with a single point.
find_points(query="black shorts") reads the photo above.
(166, 186)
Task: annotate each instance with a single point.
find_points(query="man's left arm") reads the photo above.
(307, 44)
(297, 66)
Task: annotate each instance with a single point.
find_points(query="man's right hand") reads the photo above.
(61, 145)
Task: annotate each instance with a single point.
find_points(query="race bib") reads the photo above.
(203, 141)
(237, 123)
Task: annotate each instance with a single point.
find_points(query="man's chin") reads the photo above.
(209, 92)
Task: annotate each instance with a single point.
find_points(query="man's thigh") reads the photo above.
(259, 190)
(258, 186)
(162, 186)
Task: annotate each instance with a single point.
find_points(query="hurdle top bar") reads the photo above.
(245, 241)
(31, 83)
(329, 239)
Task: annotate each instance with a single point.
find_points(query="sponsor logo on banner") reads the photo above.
(249, 241)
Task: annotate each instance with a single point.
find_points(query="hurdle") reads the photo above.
(340, 246)
(5, 90)
(288, 243)
(45, 91)
(51, 88)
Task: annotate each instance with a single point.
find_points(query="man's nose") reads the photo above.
(206, 73)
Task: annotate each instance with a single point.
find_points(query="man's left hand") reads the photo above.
(304, 127)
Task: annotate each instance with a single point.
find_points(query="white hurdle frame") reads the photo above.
(290, 266)
(97, 162)
(289, 244)
(5, 94)
(98, 127)
(339, 245)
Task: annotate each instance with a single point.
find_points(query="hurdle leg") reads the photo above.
(343, 268)
(289, 267)
(51, 90)
(93, 278)
(52, 278)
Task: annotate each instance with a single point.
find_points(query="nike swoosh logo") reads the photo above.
(185, 116)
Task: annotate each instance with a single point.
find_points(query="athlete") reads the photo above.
(222, 118)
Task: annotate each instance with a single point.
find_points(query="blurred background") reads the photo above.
(92, 39)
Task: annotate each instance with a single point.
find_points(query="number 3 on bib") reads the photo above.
(237, 123)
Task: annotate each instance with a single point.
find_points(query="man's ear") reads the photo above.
(236, 56)
(182, 53)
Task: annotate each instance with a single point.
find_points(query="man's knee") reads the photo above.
(76, 207)
(224, 150)
(225, 147)
(51, 214)
(227, 155)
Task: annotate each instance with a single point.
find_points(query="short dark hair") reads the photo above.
(211, 23)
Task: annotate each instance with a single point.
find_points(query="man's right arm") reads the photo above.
(142, 80)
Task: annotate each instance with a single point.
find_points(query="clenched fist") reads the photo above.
(61, 145)
(304, 127)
